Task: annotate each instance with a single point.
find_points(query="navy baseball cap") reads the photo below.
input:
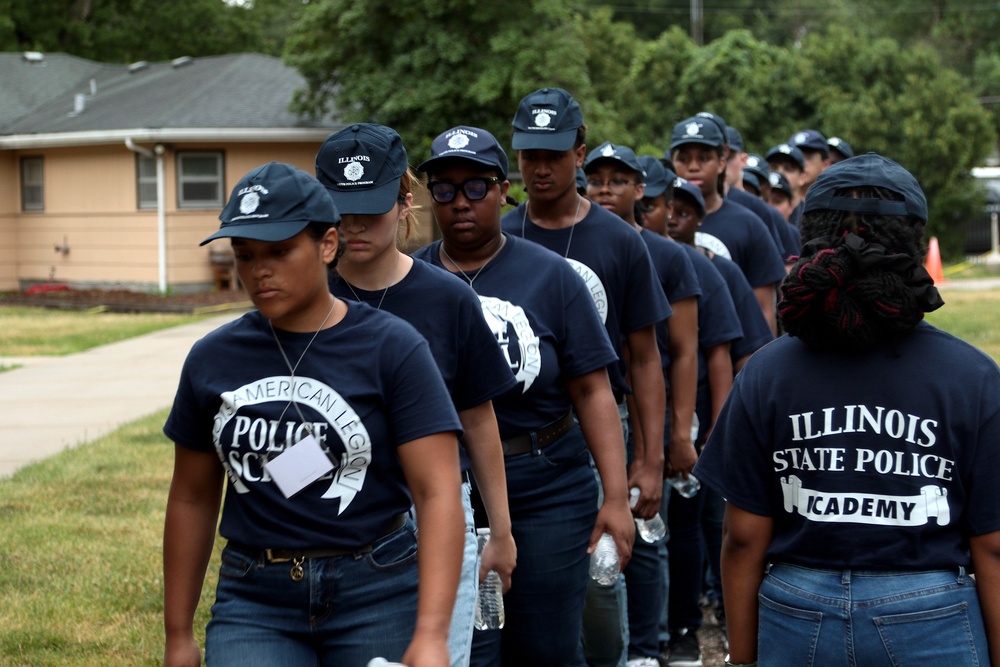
(610, 152)
(361, 165)
(841, 146)
(719, 121)
(810, 140)
(547, 119)
(274, 202)
(750, 180)
(658, 177)
(467, 143)
(735, 139)
(697, 130)
(757, 166)
(781, 183)
(692, 192)
(870, 169)
(787, 151)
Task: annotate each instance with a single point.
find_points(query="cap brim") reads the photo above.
(365, 201)
(547, 141)
(654, 190)
(428, 164)
(270, 232)
(694, 140)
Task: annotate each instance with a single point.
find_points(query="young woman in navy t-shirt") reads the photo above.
(328, 421)
(858, 453)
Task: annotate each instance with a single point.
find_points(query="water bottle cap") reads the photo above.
(633, 496)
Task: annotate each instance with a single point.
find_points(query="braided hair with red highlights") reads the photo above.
(859, 281)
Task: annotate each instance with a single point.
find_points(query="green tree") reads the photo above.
(905, 104)
(123, 31)
(442, 62)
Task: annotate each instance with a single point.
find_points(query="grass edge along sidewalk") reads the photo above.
(81, 556)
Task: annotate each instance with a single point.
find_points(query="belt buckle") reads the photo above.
(270, 558)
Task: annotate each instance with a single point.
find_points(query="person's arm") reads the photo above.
(188, 537)
(433, 476)
(482, 443)
(986, 564)
(683, 329)
(720, 381)
(646, 375)
(745, 539)
(602, 429)
(766, 295)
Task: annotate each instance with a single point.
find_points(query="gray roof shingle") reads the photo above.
(245, 90)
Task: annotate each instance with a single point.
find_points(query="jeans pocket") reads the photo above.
(237, 564)
(940, 636)
(786, 635)
(397, 549)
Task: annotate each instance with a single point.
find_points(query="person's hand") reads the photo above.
(182, 652)
(681, 457)
(650, 485)
(427, 650)
(616, 520)
(499, 555)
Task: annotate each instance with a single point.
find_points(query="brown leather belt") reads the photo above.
(298, 555)
(543, 437)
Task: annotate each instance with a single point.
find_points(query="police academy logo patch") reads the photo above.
(542, 119)
(608, 151)
(800, 138)
(354, 171)
(458, 141)
(249, 203)
(693, 129)
(245, 443)
(516, 338)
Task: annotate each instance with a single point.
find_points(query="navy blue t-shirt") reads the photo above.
(786, 241)
(881, 460)
(614, 263)
(677, 277)
(756, 330)
(718, 323)
(737, 234)
(447, 313)
(366, 385)
(546, 324)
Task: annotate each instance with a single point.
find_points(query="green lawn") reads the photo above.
(973, 316)
(43, 331)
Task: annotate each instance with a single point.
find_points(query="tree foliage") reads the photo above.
(129, 30)
(442, 63)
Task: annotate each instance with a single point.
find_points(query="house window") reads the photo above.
(199, 180)
(32, 184)
(145, 170)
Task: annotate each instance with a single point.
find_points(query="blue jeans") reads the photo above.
(464, 613)
(605, 616)
(686, 559)
(834, 618)
(553, 505)
(345, 610)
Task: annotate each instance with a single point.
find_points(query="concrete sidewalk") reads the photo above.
(53, 403)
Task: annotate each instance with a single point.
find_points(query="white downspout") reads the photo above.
(161, 213)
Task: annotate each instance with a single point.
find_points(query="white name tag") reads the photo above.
(298, 466)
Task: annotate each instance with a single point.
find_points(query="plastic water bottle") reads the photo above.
(489, 600)
(687, 488)
(650, 530)
(382, 662)
(604, 563)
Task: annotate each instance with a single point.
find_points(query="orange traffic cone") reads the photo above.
(933, 262)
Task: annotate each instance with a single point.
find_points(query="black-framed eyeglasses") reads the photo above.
(616, 186)
(474, 189)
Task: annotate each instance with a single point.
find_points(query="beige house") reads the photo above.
(111, 175)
